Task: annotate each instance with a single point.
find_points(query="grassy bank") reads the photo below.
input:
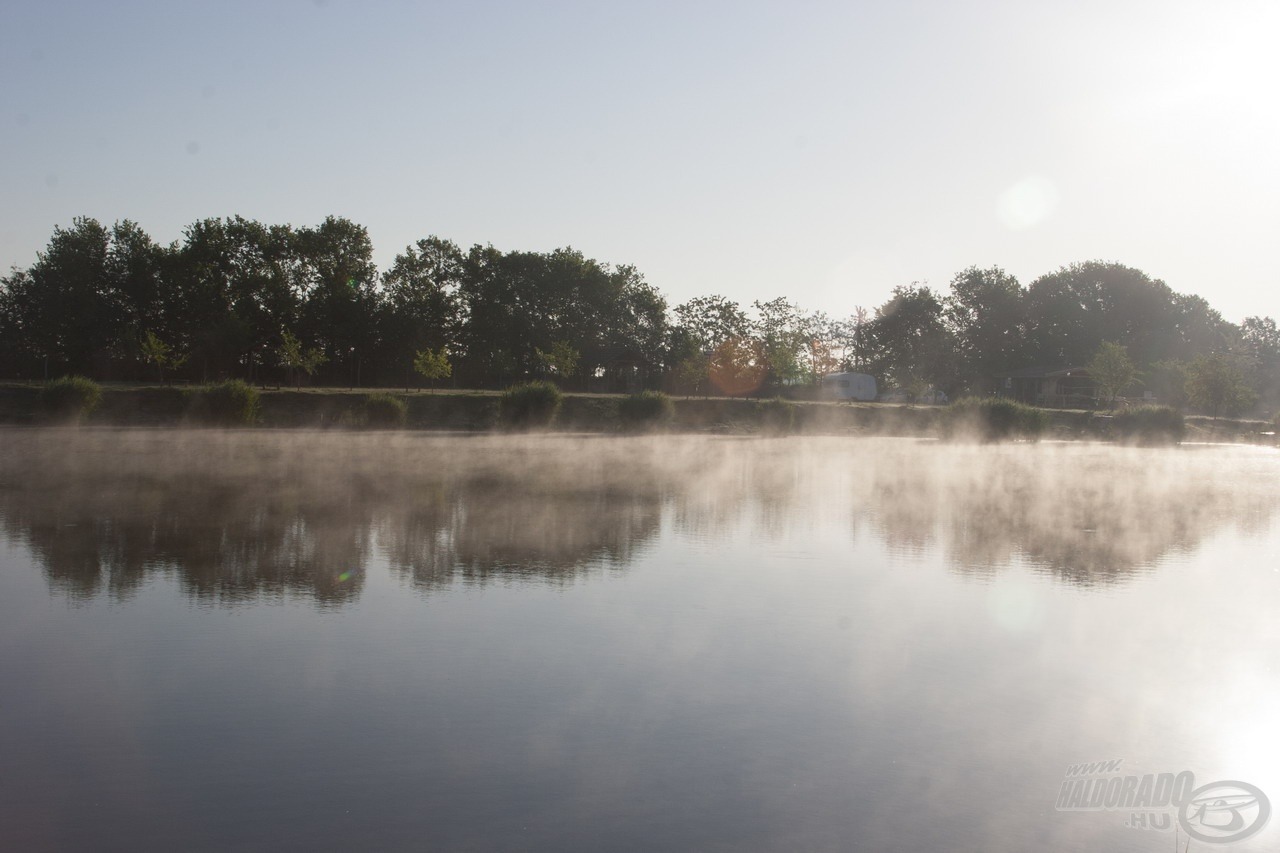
(475, 411)
(123, 405)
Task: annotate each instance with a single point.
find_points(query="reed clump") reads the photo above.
(69, 399)
(230, 403)
(1149, 425)
(648, 410)
(994, 419)
(529, 405)
(384, 411)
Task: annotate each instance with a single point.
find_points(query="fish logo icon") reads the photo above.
(1223, 812)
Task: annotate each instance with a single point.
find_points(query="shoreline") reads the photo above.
(476, 412)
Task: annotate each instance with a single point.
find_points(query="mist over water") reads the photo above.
(306, 640)
(238, 514)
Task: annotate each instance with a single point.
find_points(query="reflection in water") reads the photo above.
(244, 515)
(484, 530)
(681, 643)
(1088, 513)
(241, 515)
(106, 528)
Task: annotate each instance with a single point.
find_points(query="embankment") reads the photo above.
(474, 411)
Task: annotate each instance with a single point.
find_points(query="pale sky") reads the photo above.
(820, 151)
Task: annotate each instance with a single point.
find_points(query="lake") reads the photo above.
(256, 640)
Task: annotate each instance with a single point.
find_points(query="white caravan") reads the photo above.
(849, 386)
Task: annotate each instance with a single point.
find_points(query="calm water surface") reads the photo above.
(242, 641)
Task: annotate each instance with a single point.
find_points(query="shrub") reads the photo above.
(230, 403)
(529, 404)
(777, 416)
(1149, 425)
(69, 398)
(384, 411)
(994, 419)
(646, 410)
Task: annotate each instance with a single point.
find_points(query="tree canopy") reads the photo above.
(112, 303)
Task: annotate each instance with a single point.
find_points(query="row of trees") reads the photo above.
(275, 303)
(237, 298)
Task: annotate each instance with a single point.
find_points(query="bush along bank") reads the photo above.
(529, 405)
(383, 411)
(230, 403)
(68, 400)
(646, 411)
(994, 419)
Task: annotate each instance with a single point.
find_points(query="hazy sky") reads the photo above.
(822, 151)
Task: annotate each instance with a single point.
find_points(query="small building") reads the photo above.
(849, 386)
(1061, 387)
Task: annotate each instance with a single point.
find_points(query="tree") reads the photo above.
(61, 309)
(712, 320)
(422, 303)
(691, 372)
(783, 333)
(1216, 386)
(232, 285)
(133, 284)
(822, 339)
(339, 282)
(15, 345)
(1072, 311)
(294, 358)
(911, 347)
(157, 352)
(636, 330)
(1199, 328)
(1259, 346)
(521, 304)
(851, 336)
(433, 366)
(986, 312)
(492, 327)
(1112, 370)
(1168, 381)
(562, 360)
(737, 367)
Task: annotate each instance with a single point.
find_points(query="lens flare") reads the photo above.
(1027, 203)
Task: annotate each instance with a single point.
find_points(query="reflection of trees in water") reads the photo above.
(1091, 514)
(242, 515)
(225, 540)
(487, 531)
(735, 484)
